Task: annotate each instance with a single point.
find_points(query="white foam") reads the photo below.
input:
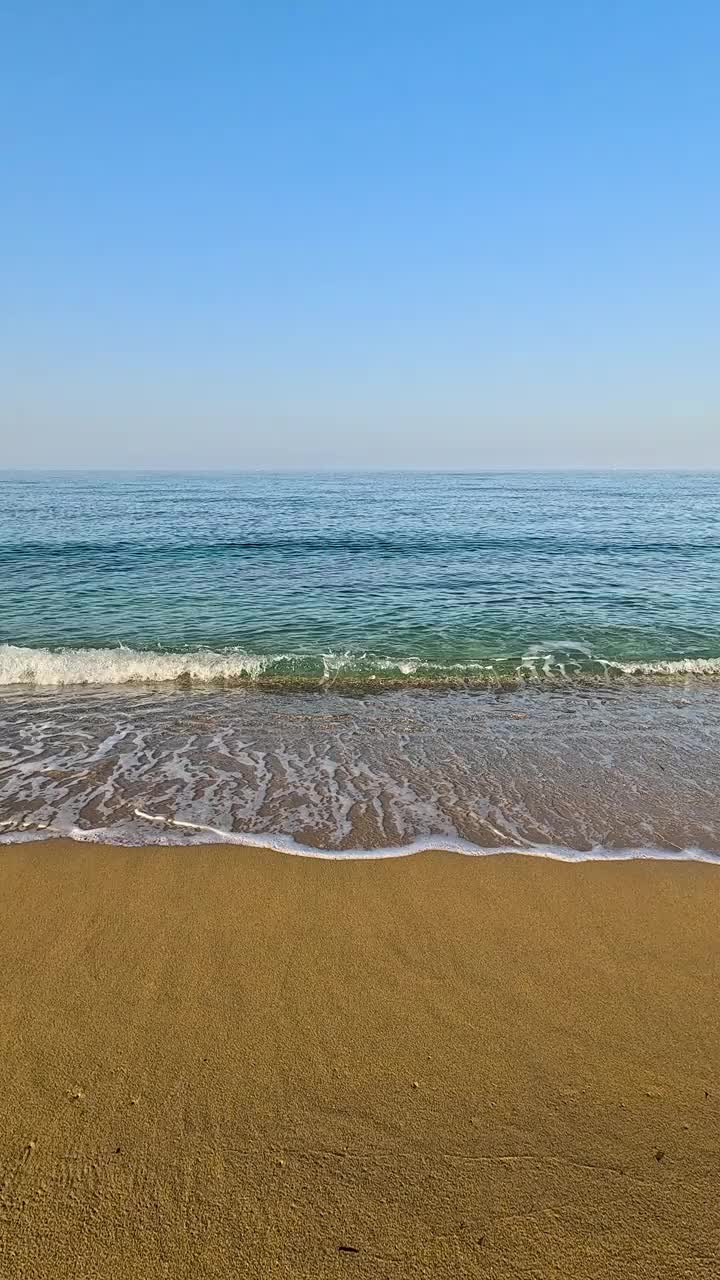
(680, 666)
(21, 665)
(285, 844)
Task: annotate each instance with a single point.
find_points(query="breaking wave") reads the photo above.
(23, 665)
(674, 667)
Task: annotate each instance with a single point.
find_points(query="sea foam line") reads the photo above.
(23, 665)
(444, 844)
(278, 843)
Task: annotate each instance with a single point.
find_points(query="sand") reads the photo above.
(222, 1062)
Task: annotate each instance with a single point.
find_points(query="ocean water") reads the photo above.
(363, 661)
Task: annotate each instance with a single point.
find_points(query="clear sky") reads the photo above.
(359, 232)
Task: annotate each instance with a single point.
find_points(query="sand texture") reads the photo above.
(223, 1062)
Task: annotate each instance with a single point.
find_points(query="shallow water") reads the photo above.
(574, 771)
(548, 646)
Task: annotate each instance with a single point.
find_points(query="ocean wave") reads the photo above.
(671, 667)
(24, 665)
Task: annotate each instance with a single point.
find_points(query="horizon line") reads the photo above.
(358, 470)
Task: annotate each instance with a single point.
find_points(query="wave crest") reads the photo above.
(671, 667)
(23, 665)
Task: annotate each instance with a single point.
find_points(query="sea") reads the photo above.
(363, 663)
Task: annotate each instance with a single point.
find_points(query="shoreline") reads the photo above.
(286, 846)
(436, 1066)
(551, 772)
(631, 676)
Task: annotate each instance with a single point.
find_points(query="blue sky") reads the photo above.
(330, 233)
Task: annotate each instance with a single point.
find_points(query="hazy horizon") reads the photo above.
(350, 470)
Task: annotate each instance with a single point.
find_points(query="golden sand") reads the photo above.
(222, 1062)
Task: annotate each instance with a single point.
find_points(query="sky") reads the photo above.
(329, 233)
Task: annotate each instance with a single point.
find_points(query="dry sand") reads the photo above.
(223, 1062)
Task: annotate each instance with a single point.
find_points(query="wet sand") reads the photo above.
(224, 1062)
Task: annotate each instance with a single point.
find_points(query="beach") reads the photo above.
(360, 643)
(234, 1062)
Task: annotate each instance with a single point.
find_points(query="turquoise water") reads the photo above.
(110, 578)
(176, 653)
